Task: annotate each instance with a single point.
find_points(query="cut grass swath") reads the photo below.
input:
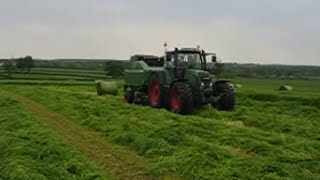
(198, 146)
(31, 150)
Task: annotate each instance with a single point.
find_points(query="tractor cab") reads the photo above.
(186, 58)
(187, 63)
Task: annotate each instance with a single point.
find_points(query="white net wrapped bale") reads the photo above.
(285, 88)
(104, 87)
(238, 85)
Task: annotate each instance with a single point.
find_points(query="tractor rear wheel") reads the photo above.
(155, 92)
(227, 96)
(181, 100)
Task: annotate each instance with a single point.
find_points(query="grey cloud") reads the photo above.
(261, 31)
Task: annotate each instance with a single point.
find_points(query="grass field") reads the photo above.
(55, 74)
(32, 150)
(270, 134)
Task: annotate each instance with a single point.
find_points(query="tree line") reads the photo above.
(220, 70)
(115, 68)
(23, 64)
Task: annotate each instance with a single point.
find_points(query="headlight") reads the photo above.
(202, 84)
(210, 84)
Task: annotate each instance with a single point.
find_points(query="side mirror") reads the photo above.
(175, 56)
(214, 59)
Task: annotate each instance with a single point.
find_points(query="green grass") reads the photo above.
(71, 71)
(67, 74)
(308, 88)
(47, 82)
(260, 105)
(57, 74)
(51, 77)
(270, 135)
(31, 150)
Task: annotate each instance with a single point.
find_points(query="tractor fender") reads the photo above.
(222, 81)
(218, 82)
(183, 80)
(161, 77)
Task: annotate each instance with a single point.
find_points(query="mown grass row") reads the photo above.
(308, 88)
(47, 82)
(56, 74)
(31, 150)
(71, 71)
(48, 73)
(192, 147)
(261, 105)
(283, 112)
(298, 117)
(64, 70)
(51, 77)
(48, 77)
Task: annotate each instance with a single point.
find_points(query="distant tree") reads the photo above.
(114, 69)
(29, 63)
(9, 67)
(217, 69)
(25, 64)
(20, 64)
(289, 74)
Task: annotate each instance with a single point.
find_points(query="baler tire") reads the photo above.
(181, 99)
(227, 96)
(155, 92)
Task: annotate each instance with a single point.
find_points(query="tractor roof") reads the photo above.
(143, 57)
(187, 50)
(151, 60)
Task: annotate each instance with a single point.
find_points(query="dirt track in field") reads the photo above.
(118, 162)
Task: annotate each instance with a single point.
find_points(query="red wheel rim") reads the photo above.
(155, 93)
(175, 100)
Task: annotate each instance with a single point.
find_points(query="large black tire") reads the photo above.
(227, 96)
(181, 99)
(155, 92)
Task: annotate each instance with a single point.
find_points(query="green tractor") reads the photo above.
(178, 81)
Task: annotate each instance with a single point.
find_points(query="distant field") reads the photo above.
(270, 134)
(57, 74)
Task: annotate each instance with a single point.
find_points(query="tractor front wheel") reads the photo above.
(181, 100)
(227, 96)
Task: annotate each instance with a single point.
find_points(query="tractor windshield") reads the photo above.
(189, 60)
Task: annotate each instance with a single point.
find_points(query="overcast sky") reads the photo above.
(257, 31)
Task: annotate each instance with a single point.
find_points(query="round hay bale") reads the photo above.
(107, 88)
(238, 85)
(285, 88)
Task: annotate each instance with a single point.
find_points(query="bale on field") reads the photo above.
(238, 85)
(285, 88)
(104, 87)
